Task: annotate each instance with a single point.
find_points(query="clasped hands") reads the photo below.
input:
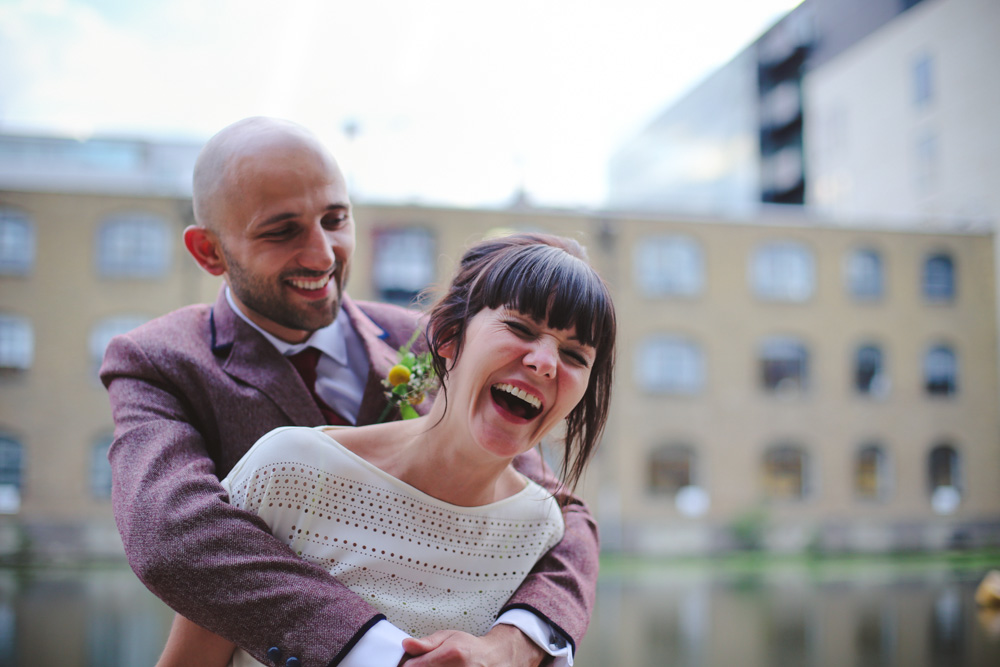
(503, 646)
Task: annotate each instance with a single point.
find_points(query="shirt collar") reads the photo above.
(330, 340)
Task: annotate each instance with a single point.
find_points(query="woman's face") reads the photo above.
(516, 379)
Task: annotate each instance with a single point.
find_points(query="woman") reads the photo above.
(427, 518)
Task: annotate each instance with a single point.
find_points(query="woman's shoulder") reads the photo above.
(286, 445)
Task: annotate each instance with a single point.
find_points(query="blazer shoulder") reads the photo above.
(178, 326)
(397, 322)
(165, 341)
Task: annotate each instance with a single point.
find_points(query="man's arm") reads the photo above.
(562, 586)
(216, 565)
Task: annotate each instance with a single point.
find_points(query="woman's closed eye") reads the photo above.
(578, 358)
(519, 328)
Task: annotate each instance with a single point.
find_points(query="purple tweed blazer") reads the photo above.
(190, 393)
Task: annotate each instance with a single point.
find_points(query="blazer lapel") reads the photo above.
(248, 357)
(381, 357)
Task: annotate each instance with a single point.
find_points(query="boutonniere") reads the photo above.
(409, 381)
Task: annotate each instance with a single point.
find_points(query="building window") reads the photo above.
(403, 264)
(11, 471)
(669, 265)
(670, 469)
(784, 364)
(944, 478)
(17, 342)
(939, 278)
(869, 373)
(17, 243)
(783, 271)
(925, 163)
(871, 475)
(864, 274)
(670, 365)
(133, 246)
(941, 371)
(923, 81)
(105, 330)
(785, 470)
(100, 468)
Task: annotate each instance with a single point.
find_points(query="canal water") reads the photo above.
(664, 616)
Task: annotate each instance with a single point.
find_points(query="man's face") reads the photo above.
(287, 236)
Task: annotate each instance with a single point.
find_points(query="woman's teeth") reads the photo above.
(533, 401)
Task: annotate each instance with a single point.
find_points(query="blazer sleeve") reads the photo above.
(218, 566)
(562, 586)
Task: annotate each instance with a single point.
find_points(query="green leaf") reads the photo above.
(407, 411)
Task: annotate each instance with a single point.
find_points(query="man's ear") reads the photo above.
(203, 245)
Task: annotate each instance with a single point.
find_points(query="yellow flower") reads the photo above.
(399, 374)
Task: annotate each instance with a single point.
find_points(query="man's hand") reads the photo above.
(502, 646)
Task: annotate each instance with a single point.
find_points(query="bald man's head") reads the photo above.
(217, 173)
(274, 218)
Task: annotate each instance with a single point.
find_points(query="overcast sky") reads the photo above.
(453, 101)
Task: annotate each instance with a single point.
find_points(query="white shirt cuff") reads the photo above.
(381, 646)
(542, 633)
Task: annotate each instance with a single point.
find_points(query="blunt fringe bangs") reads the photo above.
(549, 279)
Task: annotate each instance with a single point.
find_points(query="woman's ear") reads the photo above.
(204, 246)
(447, 350)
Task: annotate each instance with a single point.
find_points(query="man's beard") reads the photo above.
(265, 299)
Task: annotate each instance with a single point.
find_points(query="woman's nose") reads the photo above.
(543, 357)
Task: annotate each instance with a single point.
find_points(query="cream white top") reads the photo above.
(426, 564)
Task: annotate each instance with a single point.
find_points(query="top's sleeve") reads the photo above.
(216, 565)
(562, 586)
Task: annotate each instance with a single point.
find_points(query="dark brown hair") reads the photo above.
(547, 278)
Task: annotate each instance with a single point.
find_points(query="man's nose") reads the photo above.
(317, 251)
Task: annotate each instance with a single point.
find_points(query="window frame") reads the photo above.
(939, 285)
(133, 246)
(671, 455)
(804, 491)
(882, 473)
(932, 376)
(669, 265)
(388, 277)
(783, 272)
(18, 242)
(672, 352)
(12, 469)
(865, 282)
(17, 343)
(99, 477)
(877, 385)
(774, 386)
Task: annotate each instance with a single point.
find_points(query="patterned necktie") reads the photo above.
(305, 363)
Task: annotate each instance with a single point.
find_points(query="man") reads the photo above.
(191, 391)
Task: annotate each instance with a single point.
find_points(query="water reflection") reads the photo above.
(864, 617)
(677, 615)
(94, 618)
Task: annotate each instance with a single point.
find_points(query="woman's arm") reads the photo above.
(191, 644)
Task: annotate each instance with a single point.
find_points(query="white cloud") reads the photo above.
(455, 100)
